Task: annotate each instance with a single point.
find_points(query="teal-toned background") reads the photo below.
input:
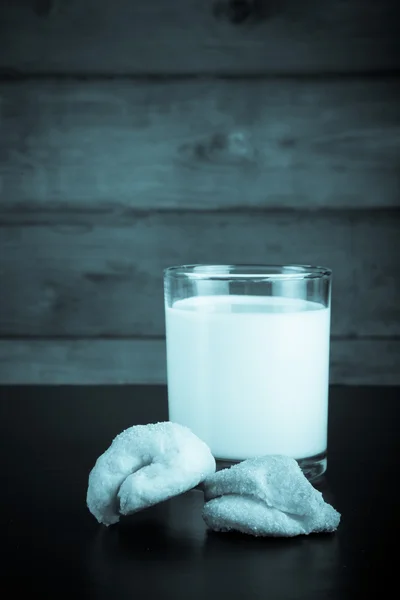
(135, 135)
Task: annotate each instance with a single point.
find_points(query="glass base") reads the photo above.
(313, 467)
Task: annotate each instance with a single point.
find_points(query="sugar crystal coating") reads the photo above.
(266, 496)
(144, 465)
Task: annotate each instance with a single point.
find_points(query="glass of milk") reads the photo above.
(248, 359)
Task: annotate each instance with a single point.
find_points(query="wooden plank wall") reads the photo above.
(136, 135)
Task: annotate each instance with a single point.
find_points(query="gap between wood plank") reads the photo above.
(11, 75)
(129, 361)
(73, 216)
(161, 338)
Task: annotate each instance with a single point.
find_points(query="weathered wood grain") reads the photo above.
(82, 361)
(121, 145)
(353, 362)
(100, 280)
(198, 36)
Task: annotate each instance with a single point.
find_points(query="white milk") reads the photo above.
(249, 375)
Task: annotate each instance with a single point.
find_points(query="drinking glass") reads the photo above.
(248, 359)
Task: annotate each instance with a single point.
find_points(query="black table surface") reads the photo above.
(50, 439)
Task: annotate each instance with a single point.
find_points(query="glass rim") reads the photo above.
(247, 272)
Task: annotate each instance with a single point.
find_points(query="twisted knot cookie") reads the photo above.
(144, 465)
